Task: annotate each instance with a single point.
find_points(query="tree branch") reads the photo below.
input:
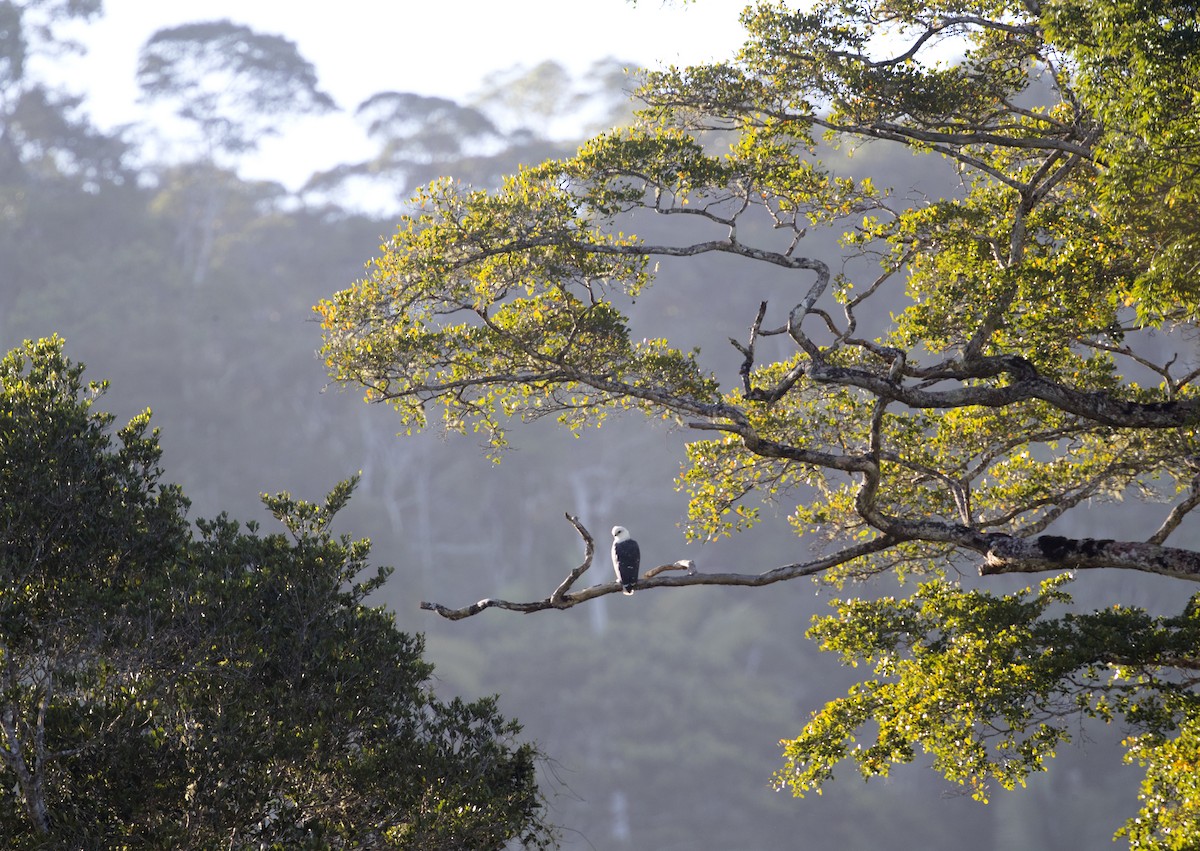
(589, 550)
(1002, 554)
(1100, 408)
(1176, 516)
(1007, 554)
(655, 579)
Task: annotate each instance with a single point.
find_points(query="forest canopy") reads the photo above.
(959, 387)
(169, 688)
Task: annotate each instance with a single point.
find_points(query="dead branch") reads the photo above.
(589, 550)
(563, 598)
(683, 564)
(1002, 554)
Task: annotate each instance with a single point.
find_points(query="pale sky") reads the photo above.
(432, 47)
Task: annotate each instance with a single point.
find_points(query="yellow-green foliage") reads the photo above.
(999, 396)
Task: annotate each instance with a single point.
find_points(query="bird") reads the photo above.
(626, 557)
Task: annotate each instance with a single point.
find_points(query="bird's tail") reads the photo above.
(627, 590)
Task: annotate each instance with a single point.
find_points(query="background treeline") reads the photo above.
(190, 289)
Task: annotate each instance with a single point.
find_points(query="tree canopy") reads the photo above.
(164, 687)
(956, 390)
(232, 82)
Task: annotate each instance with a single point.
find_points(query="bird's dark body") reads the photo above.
(628, 558)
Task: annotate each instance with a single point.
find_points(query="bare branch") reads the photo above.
(852, 304)
(1002, 554)
(1171, 523)
(748, 349)
(589, 550)
(683, 564)
(655, 579)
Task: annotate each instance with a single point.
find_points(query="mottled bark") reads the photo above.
(1007, 554)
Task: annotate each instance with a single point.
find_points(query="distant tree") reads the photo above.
(519, 96)
(48, 146)
(225, 689)
(545, 99)
(420, 137)
(609, 83)
(1004, 366)
(233, 83)
(520, 115)
(211, 210)
(41, 130)
(419, 128)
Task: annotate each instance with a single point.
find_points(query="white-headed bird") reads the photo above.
(626, 557)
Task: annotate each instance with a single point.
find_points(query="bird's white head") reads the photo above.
(620, 533)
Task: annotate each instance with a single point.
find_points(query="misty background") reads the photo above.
(176, 270)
